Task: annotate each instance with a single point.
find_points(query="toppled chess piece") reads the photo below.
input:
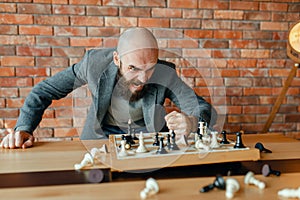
(224, 138)
(151, 188)
(232, 186)
(141, 148)
(261, 148)
(87, 160)
(289, 193)
(266, 171)
(239, 144)
(218, 183)
(251, 180)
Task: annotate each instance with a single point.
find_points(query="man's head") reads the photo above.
(136, 55)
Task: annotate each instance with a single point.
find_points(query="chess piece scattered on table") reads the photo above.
(239, 143)
(141, 148)
(173, 141)
(261, 148)
(224, 138)
(123, 150)
(232, 186)
(214, 140)
(266, 170)
(219, 183)
(161, 149)
(290, 193)
(96, 151)
(151, 188)
(251, 180)
(86, 161)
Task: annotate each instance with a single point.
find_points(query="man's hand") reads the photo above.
(18, 139)
(180, 123)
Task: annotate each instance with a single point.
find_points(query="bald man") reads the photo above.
(126, 83)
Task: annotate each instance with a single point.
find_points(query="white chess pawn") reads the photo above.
(232, 186)
(87, 160)
(141, 148)
(150, 189)
(214, 140)
(290, 193)
(250, 179)
(123, 151)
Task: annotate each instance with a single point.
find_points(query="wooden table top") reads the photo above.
(56, 156)
(185, 188)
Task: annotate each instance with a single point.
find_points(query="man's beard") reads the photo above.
(122, 88)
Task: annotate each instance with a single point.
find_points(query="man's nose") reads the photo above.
(142, 77)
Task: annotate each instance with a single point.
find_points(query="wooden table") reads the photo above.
(186, 188)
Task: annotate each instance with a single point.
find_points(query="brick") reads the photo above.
(254, 72)
(279, 72)
(198, 33)
(258, 16)
(86, 21)
(245, 53)
(150, 3)
(278, 53)
(17, 61)
(7, 71)
(216, 24)
(243, 82)
(49, 113)
(184, 43)
(203, 92)
(68, 10)
(215, 44)
(245, 25)
(35, 30)
(7, 50)
(250, 109)
(61, 122)
(66, 132)
(257, 35)
(243, 44)
(36, 80)
(219, 5)
(33, 51)
(256, 91)
(16, 40)
(185, 23)
(34, 8)
(51, 20)
(110, 42)
(8, 29)
(103, 31)
(269, 63)
(51, 62)
(244, 100)
(86, 2)
(120, 21)
(70, 112)
(182, 4)
(8, 113)
(285, 16)
(9, 123)
(64, 102)
(135, 12)
(166, 12)
(68, 52)
(294, 8)
(273, 6)
(15, 19)
(154, 22)
(197, 13)
(226, 53)
(102, 11)
(288, 109)
(15, 82)
(14, 103)
(23, 92)
(31, 71)
(168, 33)
(224, 34)
(200, 53)
(2, 103)
(43, 133)
(278, 26)
(292, 118)
(8, 93)
(230, 72)
(243, 5)
(245, 118)
(118, 2)
(8, 8)
(233, 110)
(85, 42)
(52, 41)
(227, 14)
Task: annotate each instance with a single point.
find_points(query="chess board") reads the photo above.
(186, 155)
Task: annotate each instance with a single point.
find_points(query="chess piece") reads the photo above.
(86, 161)
(174, 146)
(232, 186)
(141, 148)
(156, 140)
(214, 140)
(261, 148)
(123, 151)
(290, 193)
(251, 180)
(218, 183)
(97, 151)
(169, 141)
(200, 145)
(151, 188)
(224, 138)
(161, 149)
(201, 128)
(266, 171)
(239, 144)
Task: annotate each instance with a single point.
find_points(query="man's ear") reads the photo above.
(116, 58)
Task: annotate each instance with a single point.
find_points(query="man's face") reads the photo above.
(137, 67)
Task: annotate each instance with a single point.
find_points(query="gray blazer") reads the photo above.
(99, 72)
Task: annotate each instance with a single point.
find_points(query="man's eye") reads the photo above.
(131, 68)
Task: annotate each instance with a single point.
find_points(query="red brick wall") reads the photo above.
(233, 53)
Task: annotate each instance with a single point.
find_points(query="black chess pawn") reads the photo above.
(161, 149)
(156, 141)
(261, 148)
(266, 171)
(173, 143)
(224, 138)
(218, 183)
(239, 143)
(169, 141)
